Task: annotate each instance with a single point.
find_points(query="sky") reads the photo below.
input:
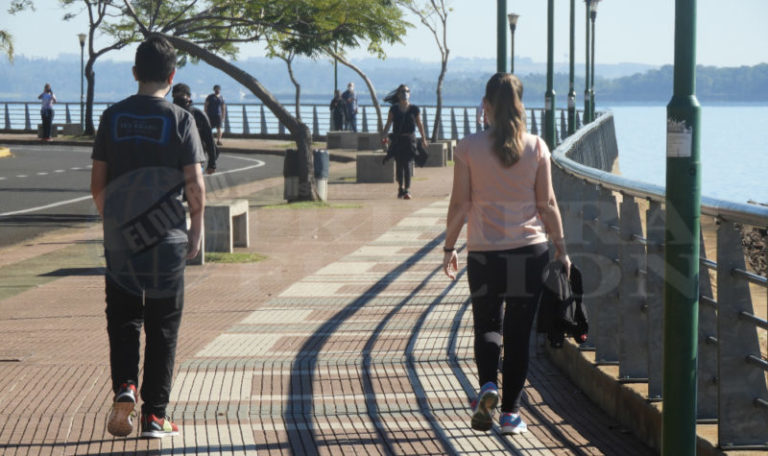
(631, 31)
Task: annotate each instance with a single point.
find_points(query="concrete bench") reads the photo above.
(226, 225)
(437, 155)
(370, 169)
(71, 129)
(451, 143)
(54, 131)
(341, 140)
(368, 141)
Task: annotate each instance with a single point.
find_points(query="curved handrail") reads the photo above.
(748, 214)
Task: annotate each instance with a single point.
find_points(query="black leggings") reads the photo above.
(403, 173)
(512, 277)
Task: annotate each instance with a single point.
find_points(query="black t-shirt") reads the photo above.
(404, 122)
(214, 104)
(146, 142)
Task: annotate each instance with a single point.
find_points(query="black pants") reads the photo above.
(513, 278)
(403, 172)
(47, 117)
(160, 314)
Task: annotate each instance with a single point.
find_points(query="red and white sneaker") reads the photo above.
(153, 427)
(120, 423)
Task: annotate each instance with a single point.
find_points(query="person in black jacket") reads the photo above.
(182, 96)
(404, 117)
(338, 111)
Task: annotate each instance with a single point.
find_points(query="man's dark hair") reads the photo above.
(181, 89)
(155, 60)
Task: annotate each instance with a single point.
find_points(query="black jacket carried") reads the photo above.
(561, 310)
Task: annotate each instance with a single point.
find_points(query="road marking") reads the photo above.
(258, 164)
(42, 174)
(21, 175)
(2, 178)
(47, 206)
(76, 168)
(59, 171)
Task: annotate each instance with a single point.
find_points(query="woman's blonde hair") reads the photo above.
(503, 93)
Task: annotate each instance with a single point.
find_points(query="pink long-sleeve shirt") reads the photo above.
(502, 212)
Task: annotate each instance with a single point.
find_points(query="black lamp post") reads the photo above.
(571, 71)
(81, 37)
(512, 26)
(585, 119)
(592, 15)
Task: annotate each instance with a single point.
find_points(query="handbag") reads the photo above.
(421, 154)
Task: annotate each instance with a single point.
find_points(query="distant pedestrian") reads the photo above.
(216, 109)
(182, 96)
(338, 111)
(146, 152)
(404, 118)
(350, 100)
(47, 99)
(502, 186)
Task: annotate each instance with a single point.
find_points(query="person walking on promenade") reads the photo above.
(216, 109)
(146, 152)
(502, 184)
(47, 99)
(338, 111)
(350, 101)
(404, 117)
(182, 96)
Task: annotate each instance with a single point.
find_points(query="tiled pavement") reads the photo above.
(348, 339)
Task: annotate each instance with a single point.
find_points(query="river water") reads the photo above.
(734, 146)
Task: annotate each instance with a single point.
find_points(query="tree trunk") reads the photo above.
(438, 117)
(298, 89)
(90, 77)
(368, 83)
(300, 132)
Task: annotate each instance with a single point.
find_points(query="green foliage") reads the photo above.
(6, 44)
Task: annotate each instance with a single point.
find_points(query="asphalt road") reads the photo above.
(44, 188)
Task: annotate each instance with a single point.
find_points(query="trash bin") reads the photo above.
(291, 175)
(322, 168)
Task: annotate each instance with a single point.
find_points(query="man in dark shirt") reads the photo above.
(182, 96)
(146, 152)
(350, 100)
(216, 110)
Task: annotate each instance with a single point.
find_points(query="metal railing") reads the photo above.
(615, 231)
(254, 120)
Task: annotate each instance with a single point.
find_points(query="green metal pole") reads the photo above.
(681, 252)
(549, 98)
(593, 15)
(585, 117)
(501, 36)
(571, 89)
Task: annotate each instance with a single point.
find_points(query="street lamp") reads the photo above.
(586, 70)
(592, 15)
(571, 89)
(81, 37)
(512, 26)
(550, 136)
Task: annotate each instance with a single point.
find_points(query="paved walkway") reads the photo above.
(347, 339)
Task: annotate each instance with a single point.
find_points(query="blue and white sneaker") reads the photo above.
(483, 405)
(512, 424)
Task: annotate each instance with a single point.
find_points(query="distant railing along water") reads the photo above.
(615, 231)
(254, 119)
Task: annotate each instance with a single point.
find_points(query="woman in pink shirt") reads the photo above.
(502, 187)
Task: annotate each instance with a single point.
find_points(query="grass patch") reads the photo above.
(450, 163)
(347, 179)
(313, 205)
(236, 257)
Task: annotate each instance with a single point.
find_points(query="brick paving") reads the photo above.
(347, 339)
